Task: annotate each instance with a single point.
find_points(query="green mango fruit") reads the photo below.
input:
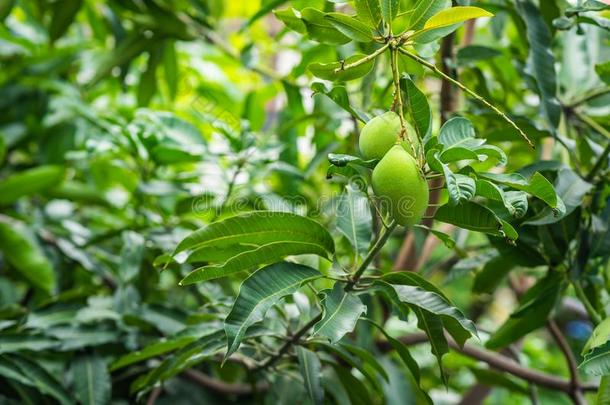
(381, 133)
(401, 186)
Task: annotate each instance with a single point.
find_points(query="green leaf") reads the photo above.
(369, 11)
(603, 393)
(341, 312)
(10, 343)
(252, 259)
(597, 361)
(455, 15)
(62, 16)
(416, 104)
(459, 132)
(288, 16)
(515, 202)
(92, 385)
(412, 289)
(339, 95)
(39, 377)
(259, 293)
(320, 29)
(29, 182)
(366, 358)
(599, 336)
(541, 60)
(460, 187)
(333, 70)
(404, 354)
(425, 9)
(341, 160)
(571, 190)
(258, 228)
(153, 350)
(534, 309)
(432, 325)
(183, 359)
(24, 254)
(475, 217)
(340, 352)
(148, 80)
(311, 371)
(389, 10)
(475, 53)
(602, 70)
(538, 185)
(354, 219)
(350, 27)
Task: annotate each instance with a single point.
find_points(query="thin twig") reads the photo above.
(467, 90)
(575, 393)
(289, 343)
(362, 61)
(580, 293)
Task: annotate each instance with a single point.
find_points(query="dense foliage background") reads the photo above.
(125, 126)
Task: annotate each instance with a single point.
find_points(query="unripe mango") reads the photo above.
(401, 186)
(381, 133)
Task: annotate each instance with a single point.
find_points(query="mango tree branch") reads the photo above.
(475, 95)
(576, 390)
(364, 60)
(500, 362)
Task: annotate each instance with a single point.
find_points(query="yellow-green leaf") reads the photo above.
(455, 15)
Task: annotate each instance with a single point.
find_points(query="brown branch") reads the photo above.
(224, 388)
(501, 363)
(154, 395)
(575, 389)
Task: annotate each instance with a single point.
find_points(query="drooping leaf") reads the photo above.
(570, 189)
(538, 185)
(353, 361)
(534, 309)
(320, 29)
(460, 187)
(354, 219)
(25, 255)
(416, 104)
(311, 371)
(515, 202)
(414, 290)
(603, 393)
(541, 60)
(334, 70)
(29, 182)
(475, 217)
(341, 312)
(292, 21)
(39, 377)
(153, 350)
(261, 291)
(339, 95)
(63, 13)
(92, 385)
(366, 358)
(350, 27)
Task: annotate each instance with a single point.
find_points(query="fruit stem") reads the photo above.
(366, 59)
(495, 109)
(398, 101)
